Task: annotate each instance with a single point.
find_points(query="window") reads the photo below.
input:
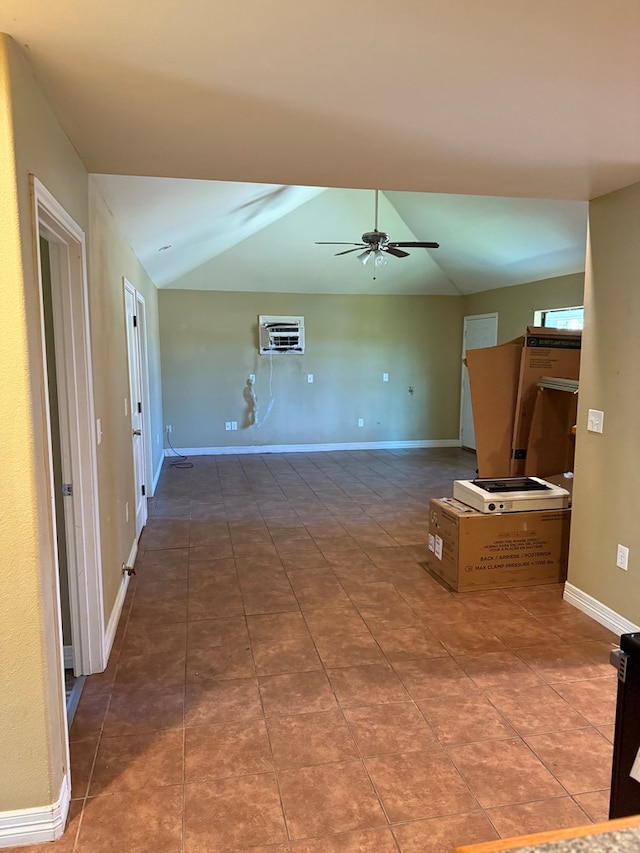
(560, 318)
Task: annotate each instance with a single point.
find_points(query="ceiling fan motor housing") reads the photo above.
(375, 238)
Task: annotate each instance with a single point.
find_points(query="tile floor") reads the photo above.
(287, 678)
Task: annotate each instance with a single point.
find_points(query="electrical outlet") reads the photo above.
(168, 428)
(227, 426)
(360, 422)
(622, 557)
(595, 420)
(309, 378)
(234, 424)
(385, 377)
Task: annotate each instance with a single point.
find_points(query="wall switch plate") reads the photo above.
(622, 557)
(595, 420)
(126, 512)
(168, 429)
(252, 378)
(385, 377)
(227, 426)
(309, 378)
(360, 422)
(234, 424)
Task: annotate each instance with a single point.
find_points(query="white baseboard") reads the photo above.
(68, 657)
(310, 448)
(36, 825)
(598, 611)
(112, 627)
(156, 476)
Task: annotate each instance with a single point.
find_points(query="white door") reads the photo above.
(137, 413)
(480, 330)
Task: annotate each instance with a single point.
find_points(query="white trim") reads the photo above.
(36, 825)
(309, 448)
(68, 657)
(156, 476)
(86, 596)
(463, 367)
(116, 613)
(598, 611)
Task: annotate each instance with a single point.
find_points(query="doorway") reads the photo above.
(139, 395)
(61, 266)
(480, 330)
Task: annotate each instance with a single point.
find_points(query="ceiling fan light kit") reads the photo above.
(378, 245)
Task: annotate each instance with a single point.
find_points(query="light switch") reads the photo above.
(309, 378)
(385, 377)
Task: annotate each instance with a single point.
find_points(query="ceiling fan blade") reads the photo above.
(348, 251)
(391, 249)
(417, 245)
(325, 243)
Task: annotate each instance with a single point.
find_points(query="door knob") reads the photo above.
(137, 432)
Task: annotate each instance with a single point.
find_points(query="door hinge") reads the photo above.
(135, 321)
(144, 490)
(139, 408)
(67, 489)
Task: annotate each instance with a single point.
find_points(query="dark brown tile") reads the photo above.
(362, 685)
(349, 650)
(419, 784)
(559, 662)
(90, 716)
(134, 709)
(535, 710)
(595, 804)
(227, 749)
(296, 693)
(580, 759)
(297, 654)
(222, 701)
(387, 729)
(205, 664)
(465, 719)
(273, 627)
(428, 678)
(328, 799)
(594, 698)
(369, 841)
(504, 772)
(82, 755)
(113, 822)
(471, 638)
(442, 834)
(540, 816)
(231, 814)
(213, 633)
(409, 643)
(302, 740)
(135, 762)
(498, 669)
(157, 668)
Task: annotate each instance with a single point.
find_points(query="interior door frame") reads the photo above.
(73, 354)
(493, 314)
(139, 345)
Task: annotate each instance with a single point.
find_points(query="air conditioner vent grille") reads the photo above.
(281, 335)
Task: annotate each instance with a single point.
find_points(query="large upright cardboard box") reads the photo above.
(503, 381)
(471, 550)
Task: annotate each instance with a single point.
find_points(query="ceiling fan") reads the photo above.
(377, 245)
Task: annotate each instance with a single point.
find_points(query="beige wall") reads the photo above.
(209, 348)
(607, 488)
(516, 305)
(110, 258)
(32, 726)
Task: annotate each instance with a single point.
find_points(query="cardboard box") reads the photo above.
(503, 381)
(551, 445)
(471, 550)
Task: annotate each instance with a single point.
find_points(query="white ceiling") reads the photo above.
(458, 110)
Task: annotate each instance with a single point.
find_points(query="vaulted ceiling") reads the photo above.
(487, 125)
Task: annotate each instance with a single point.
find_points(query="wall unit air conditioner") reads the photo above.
(281, 335)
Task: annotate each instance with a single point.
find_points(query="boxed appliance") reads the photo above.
(503, 381)
(510, 494)
(471, 550)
